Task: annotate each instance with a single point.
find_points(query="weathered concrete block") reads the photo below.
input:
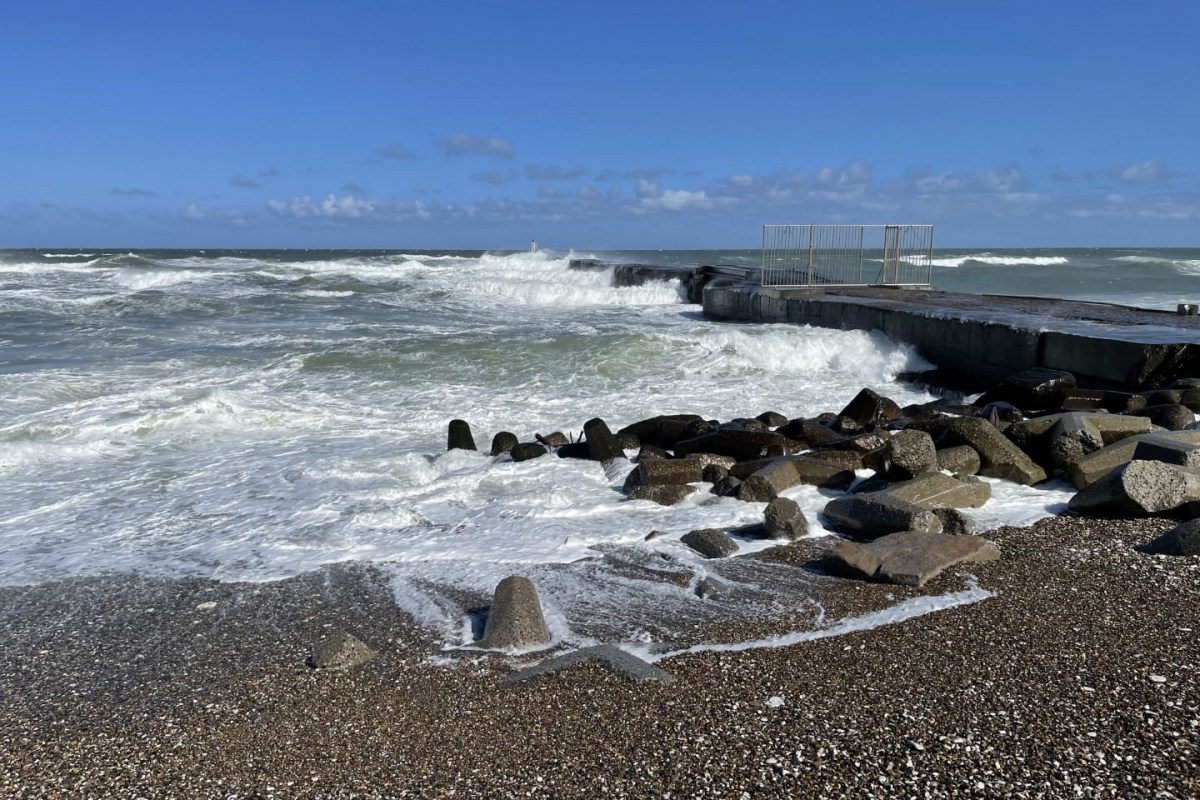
(809, 431)
(871, 408)
(515, 620)
(954, 522)
(999, 457)
(503, 442)
(784, 519)
(1033, 389)
(910, 559)
(658, 472)
(908, 454)
(339, 652)
(766, 484)
(870, 516)
(1138, 489)
(729, 486)
(740, 444)
(961, 460)
(710, 542)
(668, 494)
(937, 490)
(458, 436)
(524, 451)
(778, 474)
(1174, 417)
(772, 419)
(1092, 467)
(1168, 451)
(661, 431)
(602, 445)
(1057, 441)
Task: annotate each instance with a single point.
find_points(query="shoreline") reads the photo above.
(128, 686)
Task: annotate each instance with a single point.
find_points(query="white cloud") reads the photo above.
(463, 144)
(647, 188)
(193, 212)
(1145, 172)
(301, 207)
(683, 199)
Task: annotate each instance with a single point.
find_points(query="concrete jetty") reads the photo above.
(979, 338)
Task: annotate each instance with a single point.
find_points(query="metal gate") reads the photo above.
(847, 255)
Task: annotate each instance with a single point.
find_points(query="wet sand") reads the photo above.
(1077, 679)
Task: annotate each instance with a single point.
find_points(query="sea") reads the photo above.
(254, 415)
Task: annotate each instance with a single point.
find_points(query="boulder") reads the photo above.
(729, 486)
(1001, 414)
(1138, 489)
(524, 451)
(784, 519)
(648, 452)
(574, 450)
(960, 460)
(601, 444)
(1092, 467)
(1174, 417)
(1057, 441)
(515, 620)
(870, 516)
(937, 490)
(871, 408)
(740, 444)
(1033, 389)
(658, 472)
(772, 419)
(954, 521)
(713, 473)
(908, 454)
(710, 542)
(708, 588)
(627, 441)
(809, 431)
(779, 474)
(503, 442)
(998, 457)
(552, 440)
(339, 652)
(908, 558)
(1168, 451)
(664, 494)
(662, 431)
(705, 459)
(1182, 540)
(458, 436)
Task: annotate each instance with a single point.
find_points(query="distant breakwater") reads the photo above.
(975, 340)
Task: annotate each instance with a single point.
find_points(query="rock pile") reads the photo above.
(1129, 454)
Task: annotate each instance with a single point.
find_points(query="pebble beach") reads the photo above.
(1077, 678)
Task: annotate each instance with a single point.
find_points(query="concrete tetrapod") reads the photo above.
(515, 621)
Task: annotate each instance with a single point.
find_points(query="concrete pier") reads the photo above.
(980, 338)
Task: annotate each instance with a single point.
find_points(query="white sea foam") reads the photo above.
(1003, 261)
(1185, 266)
(142, 279)
(901, 612)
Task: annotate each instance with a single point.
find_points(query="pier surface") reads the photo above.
(980, 337)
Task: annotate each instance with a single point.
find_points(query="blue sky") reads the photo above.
(602, 125)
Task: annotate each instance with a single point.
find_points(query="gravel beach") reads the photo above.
(1078, 678)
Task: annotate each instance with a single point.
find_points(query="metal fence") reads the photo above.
(847, 255)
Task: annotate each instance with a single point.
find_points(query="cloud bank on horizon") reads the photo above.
(671, 126)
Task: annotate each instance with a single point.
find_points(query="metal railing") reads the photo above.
(847, 255)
